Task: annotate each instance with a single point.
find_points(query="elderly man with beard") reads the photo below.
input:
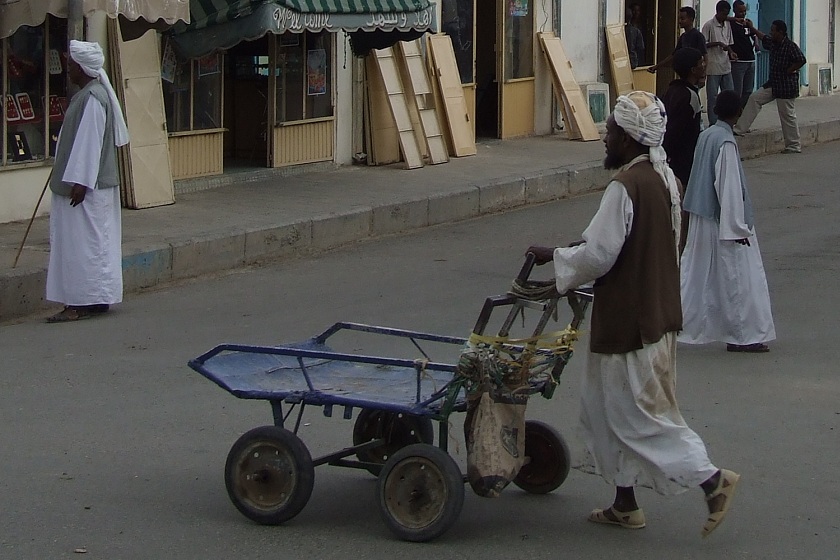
(85, 269)
(631, 424)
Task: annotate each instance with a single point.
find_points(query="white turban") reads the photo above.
(642, 116)
(91, 59)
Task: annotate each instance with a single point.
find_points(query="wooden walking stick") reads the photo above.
(32, 219)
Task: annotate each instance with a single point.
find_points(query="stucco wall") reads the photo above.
(580, 34)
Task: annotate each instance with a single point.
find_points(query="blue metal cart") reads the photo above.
(269, 473)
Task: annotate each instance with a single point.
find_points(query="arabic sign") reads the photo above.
(274, 18)
(290, 20)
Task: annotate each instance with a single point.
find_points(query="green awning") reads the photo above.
(221, 24)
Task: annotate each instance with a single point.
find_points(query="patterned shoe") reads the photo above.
(725, 490)
(628, 519)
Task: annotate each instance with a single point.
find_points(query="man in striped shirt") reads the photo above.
(786, 59)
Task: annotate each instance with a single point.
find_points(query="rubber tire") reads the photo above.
(398, 429)
(550, 459)
(433, 482)
(291, 474)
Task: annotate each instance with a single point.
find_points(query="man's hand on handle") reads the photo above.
(542, 255)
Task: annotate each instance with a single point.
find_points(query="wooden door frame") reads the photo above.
(515, 83)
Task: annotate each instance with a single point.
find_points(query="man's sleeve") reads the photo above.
(701, 44)
(83, 164)
(730, 194)
(798, 56)
(706, 30)
(603, 241)
(680, 114)
(767, 43)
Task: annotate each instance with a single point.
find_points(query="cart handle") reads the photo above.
(527, 267)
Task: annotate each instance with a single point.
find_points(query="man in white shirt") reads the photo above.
(719, 43)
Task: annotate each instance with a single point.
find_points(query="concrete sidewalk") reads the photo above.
(259, 217)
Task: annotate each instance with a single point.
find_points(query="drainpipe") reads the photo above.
(803, 72)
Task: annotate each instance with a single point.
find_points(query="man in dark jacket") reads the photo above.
(783, 86)
(682, 103)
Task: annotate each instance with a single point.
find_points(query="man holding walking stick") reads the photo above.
(85, 269)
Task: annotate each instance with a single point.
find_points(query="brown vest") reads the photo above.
(638, 300)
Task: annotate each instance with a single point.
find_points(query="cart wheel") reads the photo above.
(420, 492)
(549, 460)
(269, 475)
(397, 429)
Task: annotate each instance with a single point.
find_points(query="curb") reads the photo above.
(22, 290)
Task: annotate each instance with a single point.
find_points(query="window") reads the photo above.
(192, 91)
(519, 39)
(34, 90)
(304, 76)
(458, 23)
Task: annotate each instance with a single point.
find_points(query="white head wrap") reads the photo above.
(90, 57)
(642, 116)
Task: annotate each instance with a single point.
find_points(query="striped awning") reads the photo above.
(15, 13)
(221, 24)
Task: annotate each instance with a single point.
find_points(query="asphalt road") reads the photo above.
(112, 448)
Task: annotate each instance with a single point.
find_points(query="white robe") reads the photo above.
(630, 421)
(724, 289)
(86, 240)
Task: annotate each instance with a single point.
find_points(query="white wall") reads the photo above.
(20, 189)
(580, 34)
(343, 112)
(543, 18)
(816, 35)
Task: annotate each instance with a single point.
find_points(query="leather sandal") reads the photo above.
(627, 519)
(68, 314)
(726, 488)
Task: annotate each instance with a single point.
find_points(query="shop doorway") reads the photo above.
(487, 87)
(505, 69)
(246, 95)
(769, 11)
(666, 33)
(657, 21)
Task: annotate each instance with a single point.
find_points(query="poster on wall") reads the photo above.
(12, 111)
(18, 146)
(55, 66)
(168, 64)
(316, 72)
(518, 8)
(208, 65)
(27, 111)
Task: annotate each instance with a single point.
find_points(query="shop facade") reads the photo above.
(280, 86)
(272, 86)
(33, 84)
